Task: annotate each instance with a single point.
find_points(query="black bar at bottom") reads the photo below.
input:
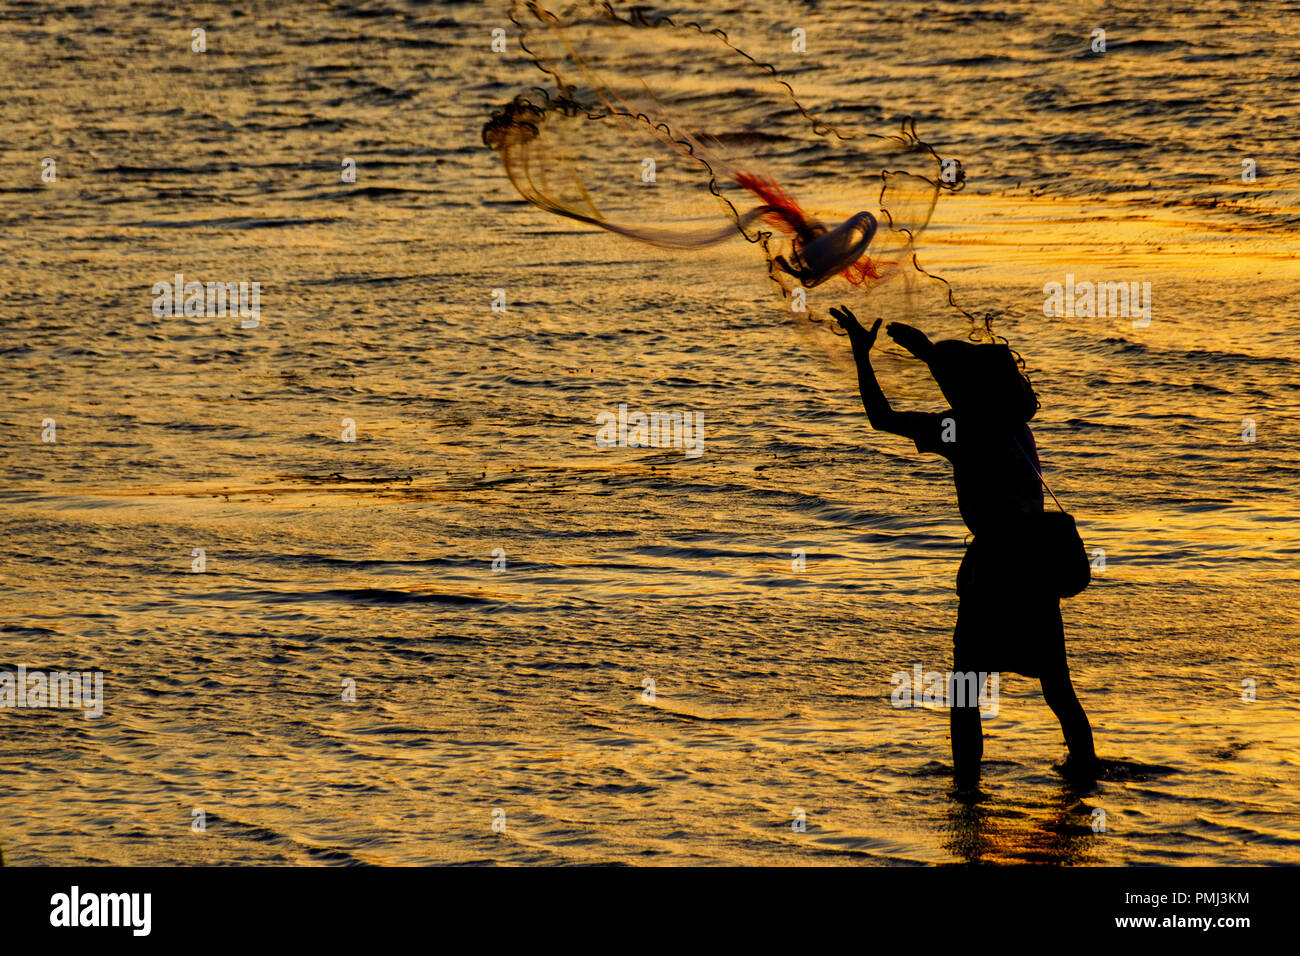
(639, 906)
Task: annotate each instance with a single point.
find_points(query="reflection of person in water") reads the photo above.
(1008, 618)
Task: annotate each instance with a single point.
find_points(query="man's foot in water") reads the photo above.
(966, 781)
(1081, 770)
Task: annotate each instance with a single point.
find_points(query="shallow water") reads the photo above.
(522, 690)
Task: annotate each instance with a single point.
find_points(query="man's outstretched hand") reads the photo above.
(910, 338)
(861, 339)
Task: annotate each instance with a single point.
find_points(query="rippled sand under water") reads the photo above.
(523, 691)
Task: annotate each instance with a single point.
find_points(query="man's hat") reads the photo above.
(982, 380)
